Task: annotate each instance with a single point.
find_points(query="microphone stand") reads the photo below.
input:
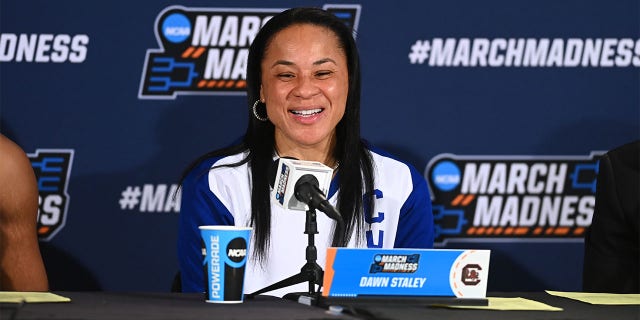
(311, 271)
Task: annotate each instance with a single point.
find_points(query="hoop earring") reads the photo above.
(255, 112)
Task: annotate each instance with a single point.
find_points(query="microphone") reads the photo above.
(308, 191)
(298, 184)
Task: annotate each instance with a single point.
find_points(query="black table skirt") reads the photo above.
(142, 306)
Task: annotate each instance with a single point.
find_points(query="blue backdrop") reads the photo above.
(482, 82)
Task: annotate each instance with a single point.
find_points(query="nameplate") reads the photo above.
(352, 273)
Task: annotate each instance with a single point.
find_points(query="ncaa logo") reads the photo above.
(446, 176)
(176, 28)
(237, 250)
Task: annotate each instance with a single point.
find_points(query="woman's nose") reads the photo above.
(305, 88)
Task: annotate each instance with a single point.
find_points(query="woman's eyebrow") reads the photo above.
(282, 62)
(289, 63)
(325, 60)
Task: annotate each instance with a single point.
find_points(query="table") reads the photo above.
(572, 310)
(142, 306)
(159, 306)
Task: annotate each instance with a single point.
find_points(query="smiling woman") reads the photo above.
(303, 88)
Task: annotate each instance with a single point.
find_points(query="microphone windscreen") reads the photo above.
(273, 170)
(288, 171)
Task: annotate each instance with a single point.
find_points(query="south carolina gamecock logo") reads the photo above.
(470, 274)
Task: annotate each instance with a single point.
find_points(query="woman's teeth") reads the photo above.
(306, 112)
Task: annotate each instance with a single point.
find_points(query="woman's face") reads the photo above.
(305, 82)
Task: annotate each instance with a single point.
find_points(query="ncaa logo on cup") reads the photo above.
(237, 250)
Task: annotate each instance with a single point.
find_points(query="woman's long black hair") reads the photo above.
(356, 165)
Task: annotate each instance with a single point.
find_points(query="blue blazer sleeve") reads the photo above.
(199, 206)
(415, 226)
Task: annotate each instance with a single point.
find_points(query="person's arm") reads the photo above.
(21, 265)
(612, 260)
(415, 226)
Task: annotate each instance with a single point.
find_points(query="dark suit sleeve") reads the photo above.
(611, 261)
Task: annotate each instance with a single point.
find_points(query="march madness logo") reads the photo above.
(512, 197)
(52, 168)
(395, 263)
(205, 50)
